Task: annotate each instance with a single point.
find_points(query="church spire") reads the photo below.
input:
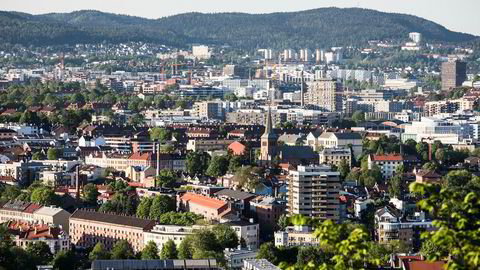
(268, 127)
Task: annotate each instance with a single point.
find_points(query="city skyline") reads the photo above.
(460, 19)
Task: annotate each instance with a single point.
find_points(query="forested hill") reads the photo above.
(322, 27)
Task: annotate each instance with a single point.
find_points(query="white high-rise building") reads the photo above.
(201, 52)
(313, 191)
(415, 37)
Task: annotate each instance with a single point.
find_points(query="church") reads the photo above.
(271, 152)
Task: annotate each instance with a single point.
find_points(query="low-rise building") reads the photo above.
(25, 233)
(210, 208)
(391, 226)
(259, 264)
(249, 231)
(296, 236)
(160, 234)
(87, 228)
(388, 163)
(235, 257)
(335, 156)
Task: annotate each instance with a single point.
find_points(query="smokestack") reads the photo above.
(77, 186)
(158, 161)
(301, 90)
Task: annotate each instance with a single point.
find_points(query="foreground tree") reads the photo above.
(456, 218)
(122, 251)
(218, 166)
(225, 236)
(150, 251)
(98, 253)
(40, 252)
(64, 259)
(169, 251)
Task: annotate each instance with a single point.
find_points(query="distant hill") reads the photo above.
(315, 28)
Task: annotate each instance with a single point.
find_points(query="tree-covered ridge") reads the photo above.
(322, 27)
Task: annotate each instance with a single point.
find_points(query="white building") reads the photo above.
(388, 163)
(259, 264)
(313, 191)
(415, 37)
(160, 234)
(201, 52)
(235, 257)
(249, 231)
(296, 236)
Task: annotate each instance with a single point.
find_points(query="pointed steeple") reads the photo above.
(269, 134)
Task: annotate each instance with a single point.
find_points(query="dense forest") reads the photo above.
(316, 28)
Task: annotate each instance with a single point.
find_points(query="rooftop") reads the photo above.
(203, 200)
(389, 157)
(234, 194)
(113, 219)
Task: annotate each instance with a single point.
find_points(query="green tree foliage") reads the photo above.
(90, 193)
(283, 222)
(269, 252)
(53, 153)
(93, 27)
(122, 251)
(235, 163)
(65, 259)
(43, 195)
(37, 156)
(343, 168)
(225, 236)
(185, 248)
(40, 252)
(180, 218)
(29, 117)
(9, 192)
(218, 166)
(358, 116)
(161, 204)
(143, 209)
(455, 216)
(169, 251)
(431, 249)
(160, 134)
(166, 178)
(248, 177)
(150, 251)
(196, 163)
(98, 253)
(397, 186)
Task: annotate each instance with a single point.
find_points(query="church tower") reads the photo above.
(268, 140)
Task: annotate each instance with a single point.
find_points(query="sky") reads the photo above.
(456, 15)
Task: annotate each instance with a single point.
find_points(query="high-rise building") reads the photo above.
(326, 94)
(415, 37)
(208, 110)
(313, 191)
(454, 73)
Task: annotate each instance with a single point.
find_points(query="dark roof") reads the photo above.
(114, 219)
(154, 264)
(239, 223)
(235, 194)
(16, 205)
(348, 135)
(297, 152)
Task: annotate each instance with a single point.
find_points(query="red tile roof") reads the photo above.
(32, 208)
(35, 231)
(202, 200)
(389, 157)
(423, 265)
(237, 148)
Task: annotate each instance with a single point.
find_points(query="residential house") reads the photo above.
(388, 163)
(25, 233)
(210, 208)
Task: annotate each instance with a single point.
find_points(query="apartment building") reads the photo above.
(267, 211)
(313, 191)
(208, 110)
(205, 145)
(18, 211)
(337, 140)
(388, 163)
(391, 226)
(326, 94)
(160, 234)
(259, 264)
(235, 257)
(247, 230)
(296, 236)
(87, 228)
(454, 73)
(122, 162)
(335, 156)
(25, 233)
(210, 208)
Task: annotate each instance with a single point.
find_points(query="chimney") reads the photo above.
(77, 186)
(301, 90)
(35, 229)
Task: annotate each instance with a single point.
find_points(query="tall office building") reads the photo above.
(415, 37)
(454, 73)
(326, 94)
(313, 191)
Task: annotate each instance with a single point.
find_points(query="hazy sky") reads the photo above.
(457, 15)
